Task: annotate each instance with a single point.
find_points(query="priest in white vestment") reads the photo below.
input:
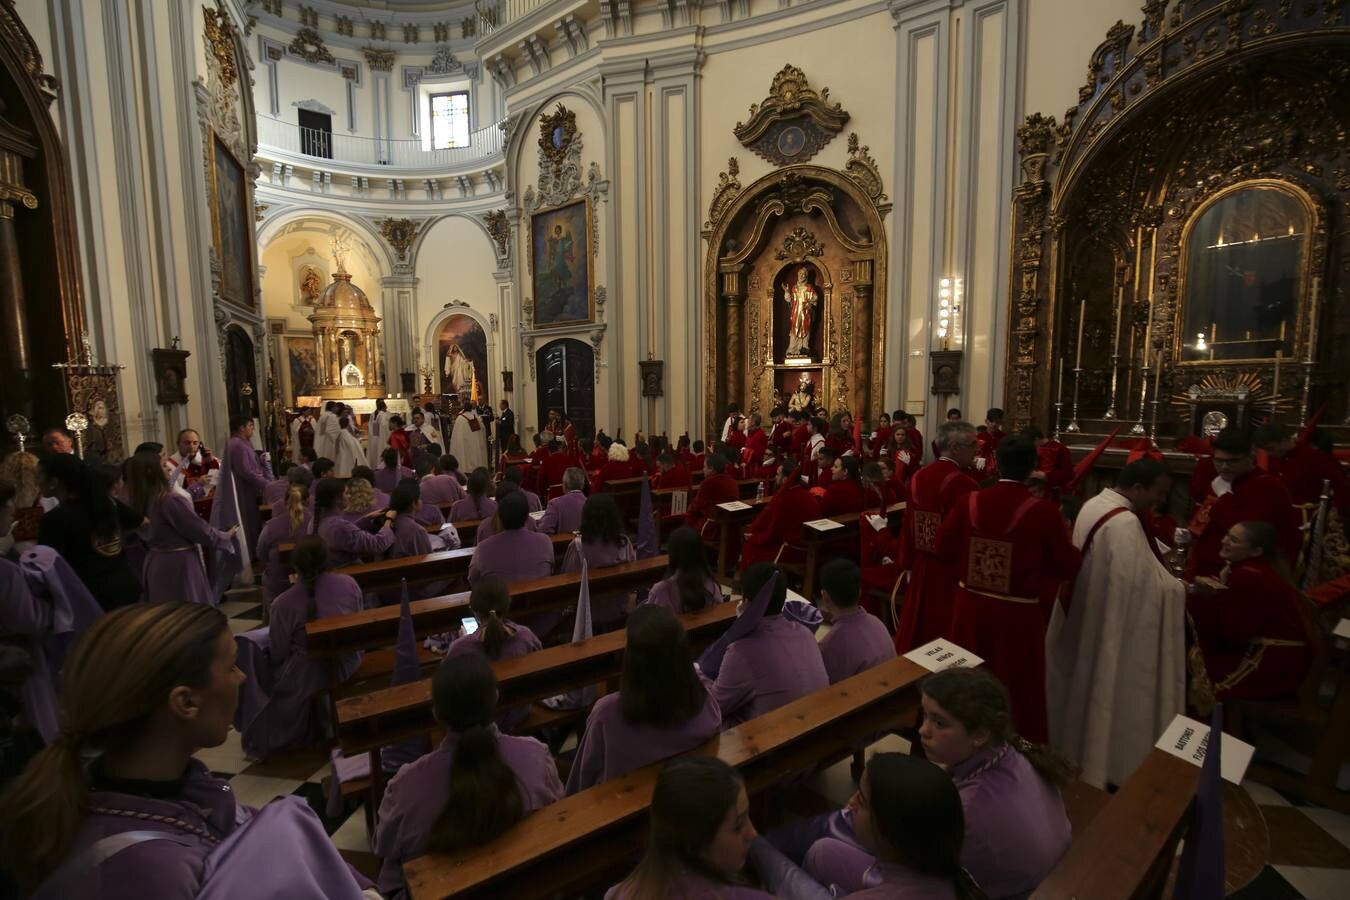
(347, 452)
(378, 438)
(1115, 663)
(326, 431)
(468, 439)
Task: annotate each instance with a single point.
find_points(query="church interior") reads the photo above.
(787, 319)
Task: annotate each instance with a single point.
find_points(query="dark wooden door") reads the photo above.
(241, 374)
(316, 133)
(567, 382)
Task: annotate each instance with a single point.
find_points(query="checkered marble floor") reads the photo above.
(1309, 845)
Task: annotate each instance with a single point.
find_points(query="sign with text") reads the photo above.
(823, 524)
(679, 503)
(733, 506)
(942, 654)
(537, 514)
(1188, 739)
(1342, 629)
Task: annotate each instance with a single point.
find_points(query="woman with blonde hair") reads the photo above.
(20, 469)
(285, 529)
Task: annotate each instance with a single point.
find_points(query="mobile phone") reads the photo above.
(470, 625)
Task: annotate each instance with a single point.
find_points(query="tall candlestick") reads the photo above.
(1275, 388)
(1157, 377)
(1082, 315)
(1312, 319)
(1060, 396)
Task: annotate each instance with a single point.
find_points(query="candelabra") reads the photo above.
(1115, 373)
(1138, 427)
(1059, 413)
(18, 426)
(78, 423)
(1073, 426)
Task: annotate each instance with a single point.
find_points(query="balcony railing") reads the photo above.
(519, 9)
(484, 144)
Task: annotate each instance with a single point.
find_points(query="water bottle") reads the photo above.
(759, 492)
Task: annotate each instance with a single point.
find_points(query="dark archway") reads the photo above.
(241, 373)
(567, 382)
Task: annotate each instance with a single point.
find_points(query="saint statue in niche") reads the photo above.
(351, 374)
(458, 370)
(802, 299)
(311, 285)
(804, 397)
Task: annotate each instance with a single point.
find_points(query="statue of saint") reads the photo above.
(311, 286)
(802, 299)
(804, 397)
(458, 371)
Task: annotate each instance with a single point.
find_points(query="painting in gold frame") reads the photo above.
(231, 225)
(564, 278)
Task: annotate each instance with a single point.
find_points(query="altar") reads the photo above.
(1174, 242)
(347, 339)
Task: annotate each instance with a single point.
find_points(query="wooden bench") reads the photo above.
(582, 842)
(442, 564)
(814, 540)
(731, 522)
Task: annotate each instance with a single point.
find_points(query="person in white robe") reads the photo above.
(347, 452)
(326, 431)
(296, 424)
(378, 438)
(468, 439)
(421, 423)
(1115, 660)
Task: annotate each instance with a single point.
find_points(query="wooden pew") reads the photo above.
(429, 567)
(1127, 849)
(814, 540)
(582, 841)
(369, 721)
(661, 498)
(730, 522)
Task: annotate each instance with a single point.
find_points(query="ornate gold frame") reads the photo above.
(590, 265)
(250, 302)
(1316, 232)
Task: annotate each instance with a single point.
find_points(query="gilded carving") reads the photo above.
(400, 233)
(220, 36)
(498, 229)
(727, 188)
(862, 168)
(793, 123)
(308, 45)
(557, 131)
(798, 244)
(379, 60)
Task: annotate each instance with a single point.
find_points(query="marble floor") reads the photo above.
(1310, 846)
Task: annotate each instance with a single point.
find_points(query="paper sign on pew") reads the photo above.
(733, 506)
(1342, 629)
(1188, 739)
(679, 503)
(537, 514)
(823, 524)
(942, 654)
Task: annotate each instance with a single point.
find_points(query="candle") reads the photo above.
(1120, 311)
(1275, 390)
(1312, 319)
(1082, 315)
(1060, 399)
(1157, 377)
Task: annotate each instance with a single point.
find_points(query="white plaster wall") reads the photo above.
(454, 262)
(279, 281)
(1060, 36)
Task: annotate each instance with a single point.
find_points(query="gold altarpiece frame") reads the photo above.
(796, 215)
(1203, 101)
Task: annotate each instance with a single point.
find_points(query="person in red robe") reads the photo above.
(1054, 464)
(876, 545)
(843, 492)
(696, 458)
(775, 533)
(905, 457)
(876, 446)
(1248, 624)
(756, 446)
(1013, 555)
(736, 438)
(1240, 493)
(840, 436)
(990, 438)
(639, 461)
(910, 424)
(673, 473)
(935, 490)
(550, 474)
(1302, 466)
(400, 440)
(801, 431)
(826, 457)
(541, 452)
(617, 468)
(717, 487)
(780, 438)
(599, 455)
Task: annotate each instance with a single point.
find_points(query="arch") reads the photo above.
(379, 250)
(429, 224)
(438, 321)
(520, 135)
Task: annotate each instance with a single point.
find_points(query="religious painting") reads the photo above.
(232, 215)
(462, 358)
(798, 304)
(303, 363)
(92, 390)
(564, 289)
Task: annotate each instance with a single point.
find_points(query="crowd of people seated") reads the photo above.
(112, 576)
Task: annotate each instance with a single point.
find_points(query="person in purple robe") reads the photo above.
(1016, 829)
(275, 489)
(442, 486)
(474, 786)
(857, 640)
(25, 621)
(116, 807)
(360, 498)
(515, 553)
(241, 480)
(563, 513)
(174, 567)
(390, 473)
(689, 584)
(492, 524)
(286, 526)
(662, 708)
(700, 835)
(496, 637)
(348, 544)
(514, 476)
(601, 540)
(776, 663)
(478, 502)
(907, 814)
(299, 683)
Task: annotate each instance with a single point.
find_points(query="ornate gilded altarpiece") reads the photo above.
(1203, 101)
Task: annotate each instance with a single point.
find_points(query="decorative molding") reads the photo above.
(220, 38)
(444, 62)
(862, 168)
(400, 233)
(259, 210)
(308, 45)
(728, 187)
(379, 60)
(793, 123)
(313, 106)
(499, 230)
(799, 244)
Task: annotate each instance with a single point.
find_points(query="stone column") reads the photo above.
(863, 351)
(735, 305)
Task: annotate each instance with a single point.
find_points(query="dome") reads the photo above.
(344, 295)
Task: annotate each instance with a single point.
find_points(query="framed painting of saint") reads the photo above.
(303, 362)
(564, 281)
(231, 223)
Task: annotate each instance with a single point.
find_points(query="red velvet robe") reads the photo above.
(596, 461)
(551, 472)
(676, 477)
(916, 441)
(1257, 604)
(841, 497)
(1012, 554)
(611, 471)
(1054, 460)
(781, 438)
(1257, 496)
(878, 444)
(800, 435)
(752, 456)
(715, 489)
(779, 524)
(927, 610)
(988, 451)
(1302, 470)
(399, 441)
(736, 441)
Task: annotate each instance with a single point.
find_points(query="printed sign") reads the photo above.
(733, 506)
(679, 503)
(1188, 739)
(537, 514)
(1342, 629)
(942, 654)
(877, 522)
(823, 524)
